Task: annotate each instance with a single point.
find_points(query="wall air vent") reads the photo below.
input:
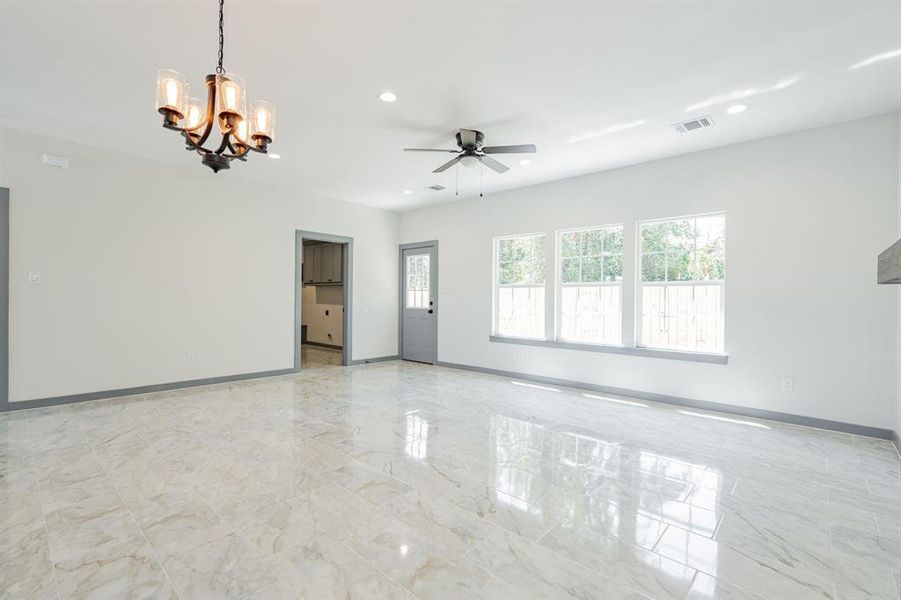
(699, 123)
(436, 187)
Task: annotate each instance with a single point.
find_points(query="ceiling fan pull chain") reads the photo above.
(457, 186)
(219, 68)
(481, 170)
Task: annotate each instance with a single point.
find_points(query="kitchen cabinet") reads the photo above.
(323, 264)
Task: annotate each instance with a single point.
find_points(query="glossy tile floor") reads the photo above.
(396, 480)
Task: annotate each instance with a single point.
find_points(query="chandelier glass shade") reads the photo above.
(225, 109)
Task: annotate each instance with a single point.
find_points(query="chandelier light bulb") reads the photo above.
(171, 94)
(231, 99)
(262, 115)
(193, 114)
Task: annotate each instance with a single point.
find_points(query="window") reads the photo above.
(519, 291)
(590, 294)
(683, 269)
(417, 287)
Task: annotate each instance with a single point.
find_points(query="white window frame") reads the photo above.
(639, 283)
(496, 285)
(558, 285)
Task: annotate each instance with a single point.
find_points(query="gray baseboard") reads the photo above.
(756, 413)
(321, 345)
(142, 389)
(376, 359)
(158, 387)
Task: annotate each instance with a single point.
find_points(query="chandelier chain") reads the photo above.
(219, 68)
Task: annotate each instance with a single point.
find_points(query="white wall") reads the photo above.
(317, 301)
(142, 262)
(807, 214)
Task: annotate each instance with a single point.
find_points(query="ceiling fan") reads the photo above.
(470, 149)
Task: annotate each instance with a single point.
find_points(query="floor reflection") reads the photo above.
(416, 444)
(606, 491)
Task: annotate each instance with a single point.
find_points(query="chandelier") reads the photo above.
(226, 107)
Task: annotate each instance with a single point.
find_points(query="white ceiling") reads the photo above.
(529, 72)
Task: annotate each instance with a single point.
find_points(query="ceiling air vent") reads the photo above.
(699, 123)
(437, 187)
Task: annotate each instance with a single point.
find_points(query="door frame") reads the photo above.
(4, 299)
(433, 285)
(347, 263)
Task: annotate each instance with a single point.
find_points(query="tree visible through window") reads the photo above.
(683, 270)
(520, 286)
(591, 273)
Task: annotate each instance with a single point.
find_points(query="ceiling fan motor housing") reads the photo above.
(470, 139)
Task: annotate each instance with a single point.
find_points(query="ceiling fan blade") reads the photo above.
(517, 149)
(428, 150)
(448, 164)
(493, 164)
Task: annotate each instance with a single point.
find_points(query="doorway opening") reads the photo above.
(322, 300)
(418, 302)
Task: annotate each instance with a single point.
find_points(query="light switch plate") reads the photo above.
(34, 277)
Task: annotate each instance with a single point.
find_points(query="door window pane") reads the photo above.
(417, 281)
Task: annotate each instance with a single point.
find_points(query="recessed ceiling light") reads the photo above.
(737, 108)
(408, 192)
(387, 97)
(274, 155)
(525, 162)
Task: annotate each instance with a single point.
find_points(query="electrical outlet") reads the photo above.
(190, 358)
(787, 384)
(34, 277)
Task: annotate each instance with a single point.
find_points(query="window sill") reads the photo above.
(702, 357)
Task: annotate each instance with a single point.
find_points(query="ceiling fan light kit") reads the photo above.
(226, 107)
(470, 150)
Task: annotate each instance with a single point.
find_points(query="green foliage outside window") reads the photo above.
(684, 250)
(521, 260)
(591, 255)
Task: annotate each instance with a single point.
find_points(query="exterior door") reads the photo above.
(419, 313)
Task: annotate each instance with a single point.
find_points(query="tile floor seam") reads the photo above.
(660, 537)
(377, 569)
(590, 569)
(691, 585)
(492, 574)
(128, 508)
(37, 481)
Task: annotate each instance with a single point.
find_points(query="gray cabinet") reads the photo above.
(322, 264)
(311, 256)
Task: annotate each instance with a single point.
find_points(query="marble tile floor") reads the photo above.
(399, 480)
(319, 356)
